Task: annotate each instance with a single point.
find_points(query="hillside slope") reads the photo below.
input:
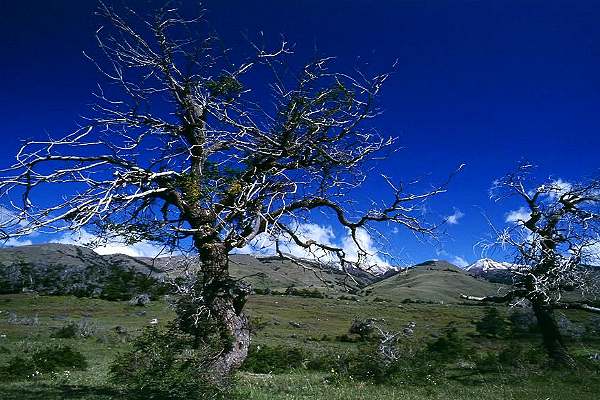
(69, 269)
(437, 281)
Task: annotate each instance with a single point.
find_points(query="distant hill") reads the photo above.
(503, 272)
(276, 273)
(436, 281)
(69, 269)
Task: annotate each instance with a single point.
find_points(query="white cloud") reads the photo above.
(454, 218)
(113, 246)
(368, 245)
(14, 242)
(456, 260)
(7, 217)
(9, 220)
(556, 188)
(265, 245)
(459, 262)
(560, 187)
(520, 215)
(591, 254)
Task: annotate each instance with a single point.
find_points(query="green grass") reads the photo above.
(315, 386)
(317, 317)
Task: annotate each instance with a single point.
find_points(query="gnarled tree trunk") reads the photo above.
(225, 298)
(552, 339)
(235, 324)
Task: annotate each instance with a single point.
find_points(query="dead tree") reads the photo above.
(188, 148)
(555, 237)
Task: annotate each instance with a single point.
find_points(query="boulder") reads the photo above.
(140, 300)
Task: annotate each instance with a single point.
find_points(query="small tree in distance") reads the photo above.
(492, 323)
(200, 153)
(554, 236)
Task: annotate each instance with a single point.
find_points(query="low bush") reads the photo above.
(83, 328)
(348, 298)
(43, 360)
(492, 324)
(364, 328)
(257, 324)
(514, 357)
(275, 359)
(368, 365)
(168, 365)
(346, 338)
(448, 347)
(304, 292)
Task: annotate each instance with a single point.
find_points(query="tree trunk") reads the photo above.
(552, 339)
(226, 299)
(237, 327)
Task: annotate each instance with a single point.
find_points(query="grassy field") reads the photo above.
(27, 321)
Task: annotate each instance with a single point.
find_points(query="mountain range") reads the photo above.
(76, 270)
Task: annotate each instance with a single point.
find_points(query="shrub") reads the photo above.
(257, 324)
(345, 338)
(380, 300)
(48, 359)
(362, 327)
(83, 328)
(168, 365)
(514, 356)
(274, 359)
(449, 346)
(368, 365)
(303, 292)
(492, 323)
(68, 331)
(54, 359)
(18, 368)
(517, 356)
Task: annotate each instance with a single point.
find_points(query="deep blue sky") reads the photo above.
(485, 83)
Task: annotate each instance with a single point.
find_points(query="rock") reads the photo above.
(122, 333)
(140, 300)
(120, 330)
(296, 324)
(570, 329)
(594, 326)
(523, 319)
(409, 329)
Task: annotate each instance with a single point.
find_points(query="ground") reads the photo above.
(284, 320)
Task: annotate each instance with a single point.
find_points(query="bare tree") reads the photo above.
(188, 148)
(555, 237)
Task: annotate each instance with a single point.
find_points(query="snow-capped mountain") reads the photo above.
(491, 270)
(487, 264)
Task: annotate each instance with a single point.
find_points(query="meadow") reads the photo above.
(316, 326)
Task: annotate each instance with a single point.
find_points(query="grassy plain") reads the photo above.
(27, 321)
